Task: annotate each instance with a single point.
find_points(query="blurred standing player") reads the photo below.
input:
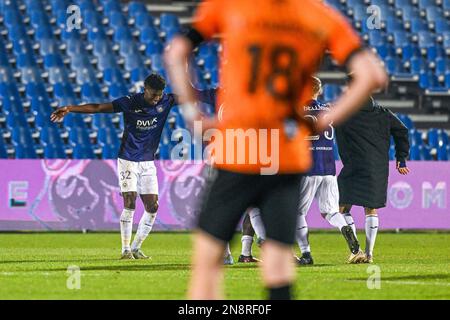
(209, 96)
(271, 51)
(321, 183)
(363, 143)
(144, 116)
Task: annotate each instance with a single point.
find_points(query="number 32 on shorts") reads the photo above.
(125, 175)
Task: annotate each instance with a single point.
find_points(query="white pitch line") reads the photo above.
(416, 283)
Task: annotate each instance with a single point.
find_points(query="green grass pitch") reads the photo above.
(34, 266)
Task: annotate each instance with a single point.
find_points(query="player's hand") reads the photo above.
(402, 168)
(59, 114)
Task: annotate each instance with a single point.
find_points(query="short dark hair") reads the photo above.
(317, 85)
(155, 81)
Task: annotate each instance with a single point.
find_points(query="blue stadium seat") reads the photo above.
(79, 136)
(110, 151)
(442, 66)
(133, 61)
(75, 48)
(85, 75)
(73, 120)
(434, 13)
(53, 60)
(92, 19)
(113, 75)
(54, 151)
(442, 25)
(63, 90)
(153, 47)
(31, 74)
(169, 21)
(409, 12)
(57, 75)
(25, 151)
(128, 47)
(25, 60)
(418, 65)
(92, 93)
(415, 152)
(415, 137)
(102, 47)
(139, 74)
(148, 34)
(377, 38)
(122, 33)
(117, 91)
(117, 20)
(39, 18)
(136, 8)
(101, 121)
(443, 153)
(433, 52)
(417, 25)
(21, 46)
(401, 38)
(143, 20)
(407, 121)
(96, 34)
(425, 39)
(107, 61)
(43, 32)
(48, 46)
(42, 117)
(3, 152)
(83, 152)
(108, 135)
(157, 62)
(112, 6)
(394, 24)
(49, 134)
(21, 134)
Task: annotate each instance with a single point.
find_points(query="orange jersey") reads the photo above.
(271, 50)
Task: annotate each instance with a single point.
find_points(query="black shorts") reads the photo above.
(229, 194)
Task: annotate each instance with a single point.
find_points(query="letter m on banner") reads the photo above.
(432, 195)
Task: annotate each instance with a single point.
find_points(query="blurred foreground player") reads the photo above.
(271, 51)
(363, 143)
(321, 183)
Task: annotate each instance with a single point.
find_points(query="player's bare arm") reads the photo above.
(60, 113)
(368, 76)
(175, 59)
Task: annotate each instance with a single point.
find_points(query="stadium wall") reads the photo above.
(70, 195)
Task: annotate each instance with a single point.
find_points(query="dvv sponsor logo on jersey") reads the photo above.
(146, 124)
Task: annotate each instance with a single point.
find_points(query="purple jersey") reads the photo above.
(321, 145)
(144, 124)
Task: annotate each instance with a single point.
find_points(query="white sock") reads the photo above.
(371, 233)
(144, 228)
(257, 223)
(349, 219)
(126, 228)
(247, 242)
(336, 220)
(302, 234)
(227, 250)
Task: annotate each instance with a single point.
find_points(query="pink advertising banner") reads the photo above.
(84, 194)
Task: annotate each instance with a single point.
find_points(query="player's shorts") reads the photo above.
(229, 194)
(324, 189)
(137, 177)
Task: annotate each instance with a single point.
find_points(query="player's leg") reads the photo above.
(279, 207)
(247, 241)
(146, 223)
(228, 196)
(148, 190)
(371, 232)
(344, 209)
(227, 256)
(257, 224)
(328, 197)
(308, 189)
(126, 223)
(127, 171)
